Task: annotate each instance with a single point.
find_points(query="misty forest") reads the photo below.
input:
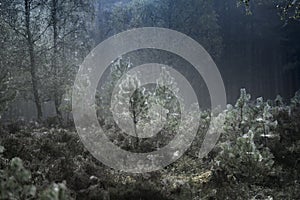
(255, 45)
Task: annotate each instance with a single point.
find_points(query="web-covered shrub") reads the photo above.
(152, 108)
(287, 149)
(247, 129)
(243, 160)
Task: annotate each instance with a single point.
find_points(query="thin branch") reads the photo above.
(14, 28)
(42, 33)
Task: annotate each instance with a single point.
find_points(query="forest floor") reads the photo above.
(243, 165)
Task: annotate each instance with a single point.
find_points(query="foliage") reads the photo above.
(249, 162)
(16, 183)
(7, 82)
(6, 90)
(55, 192)
(286, 150)
(44, 43)
(289, 9)
(186, 179)
(253, 146)
(247, 127)
(244, 161)
(150, 106)
(103, 98)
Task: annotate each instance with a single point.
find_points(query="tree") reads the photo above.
(7, 79)
(69, 43)
(244, 153)
(151, 108)
(129, 83)
(56, 36)
(28, 21)
(31, 49)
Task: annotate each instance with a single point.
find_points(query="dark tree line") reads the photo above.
(45, 41)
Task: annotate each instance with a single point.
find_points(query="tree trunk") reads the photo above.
(134, 119)
(56, 95)
(30, 43)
